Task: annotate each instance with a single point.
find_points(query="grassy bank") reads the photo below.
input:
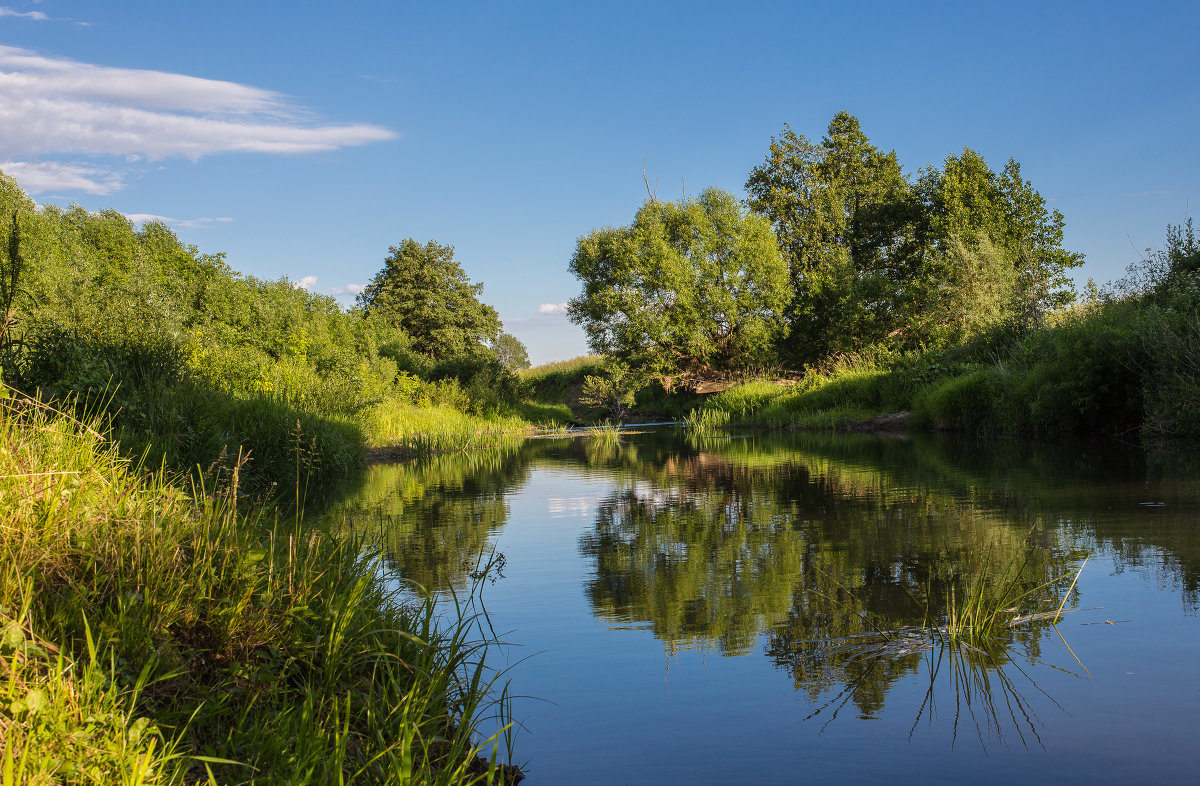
(152, 635)
(160, 624)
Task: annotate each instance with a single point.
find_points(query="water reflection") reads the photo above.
(432, 519)
(839, 559)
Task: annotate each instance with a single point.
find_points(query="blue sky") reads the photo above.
(303, 139)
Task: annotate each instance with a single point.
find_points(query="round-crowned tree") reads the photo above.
(696, 285)
(424, 292)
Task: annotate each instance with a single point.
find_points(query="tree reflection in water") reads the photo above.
(432, 519)
(849, 571)
(807, 548)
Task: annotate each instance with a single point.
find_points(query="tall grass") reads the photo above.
(552, 383)
(605, 432)
(410, 430)
(840, 394)
(153, 635)
(576, 366)
(706, 421)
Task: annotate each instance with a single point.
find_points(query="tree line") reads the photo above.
(835, 251)
(192, 359)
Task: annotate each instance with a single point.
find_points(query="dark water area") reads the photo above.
(757, 610)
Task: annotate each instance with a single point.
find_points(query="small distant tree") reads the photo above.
(614, 389)
(425, 293)
(693, 285)
(511, 351)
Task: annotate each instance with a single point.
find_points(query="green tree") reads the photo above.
(614, 389)
(424, 292)
(511, 351)
(996, 216)
(877, 260)
(843, 212)
(694, 285)
(972, 286)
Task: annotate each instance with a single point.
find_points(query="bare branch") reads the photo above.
(653, 194)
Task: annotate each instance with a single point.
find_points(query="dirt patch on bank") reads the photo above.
(891, 423)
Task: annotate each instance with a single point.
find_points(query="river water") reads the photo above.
(754, 609)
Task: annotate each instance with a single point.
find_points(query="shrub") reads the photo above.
(962, 403)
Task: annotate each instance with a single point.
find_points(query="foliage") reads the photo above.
(1166, 273)
(1004, 220)
(841, 210)
(560, 383)
(400, 429)
(613, 390)
(1121, 365)
(877, 259)
(424, 292)
(691, 285)
(972, 288)
(487, 384)
(197, 361)
(511, 351)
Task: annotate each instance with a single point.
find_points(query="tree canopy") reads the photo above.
(697, 284)
(424, 292)
(840, 209)
(876, 258)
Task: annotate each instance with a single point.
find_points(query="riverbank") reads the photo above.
(1124, 367)
(153, 634)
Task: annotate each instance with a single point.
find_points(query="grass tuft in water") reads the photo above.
(706, 421)
(605, 432)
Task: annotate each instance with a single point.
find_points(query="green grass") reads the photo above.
(562, 368)
(544, 415)
(982, 601)
(705, 421)
(830, 399)
(153, 635)
(415, 430)
(605, 432)
(551, 383)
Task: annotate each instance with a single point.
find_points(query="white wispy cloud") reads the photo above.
(186, 223)
(36, 16)
(1149, 193)
(51, 106)
(305, 283)
(349, 289)
(553, 309)
(38, 177)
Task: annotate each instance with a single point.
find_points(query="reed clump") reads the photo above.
(421, 430)
(706, 421)
(605, 432)
(154, 634)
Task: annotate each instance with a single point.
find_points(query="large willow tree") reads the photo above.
(694, 285)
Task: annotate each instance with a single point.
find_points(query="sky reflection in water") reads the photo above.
(735, 610)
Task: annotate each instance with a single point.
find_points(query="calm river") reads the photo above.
(757, 610)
